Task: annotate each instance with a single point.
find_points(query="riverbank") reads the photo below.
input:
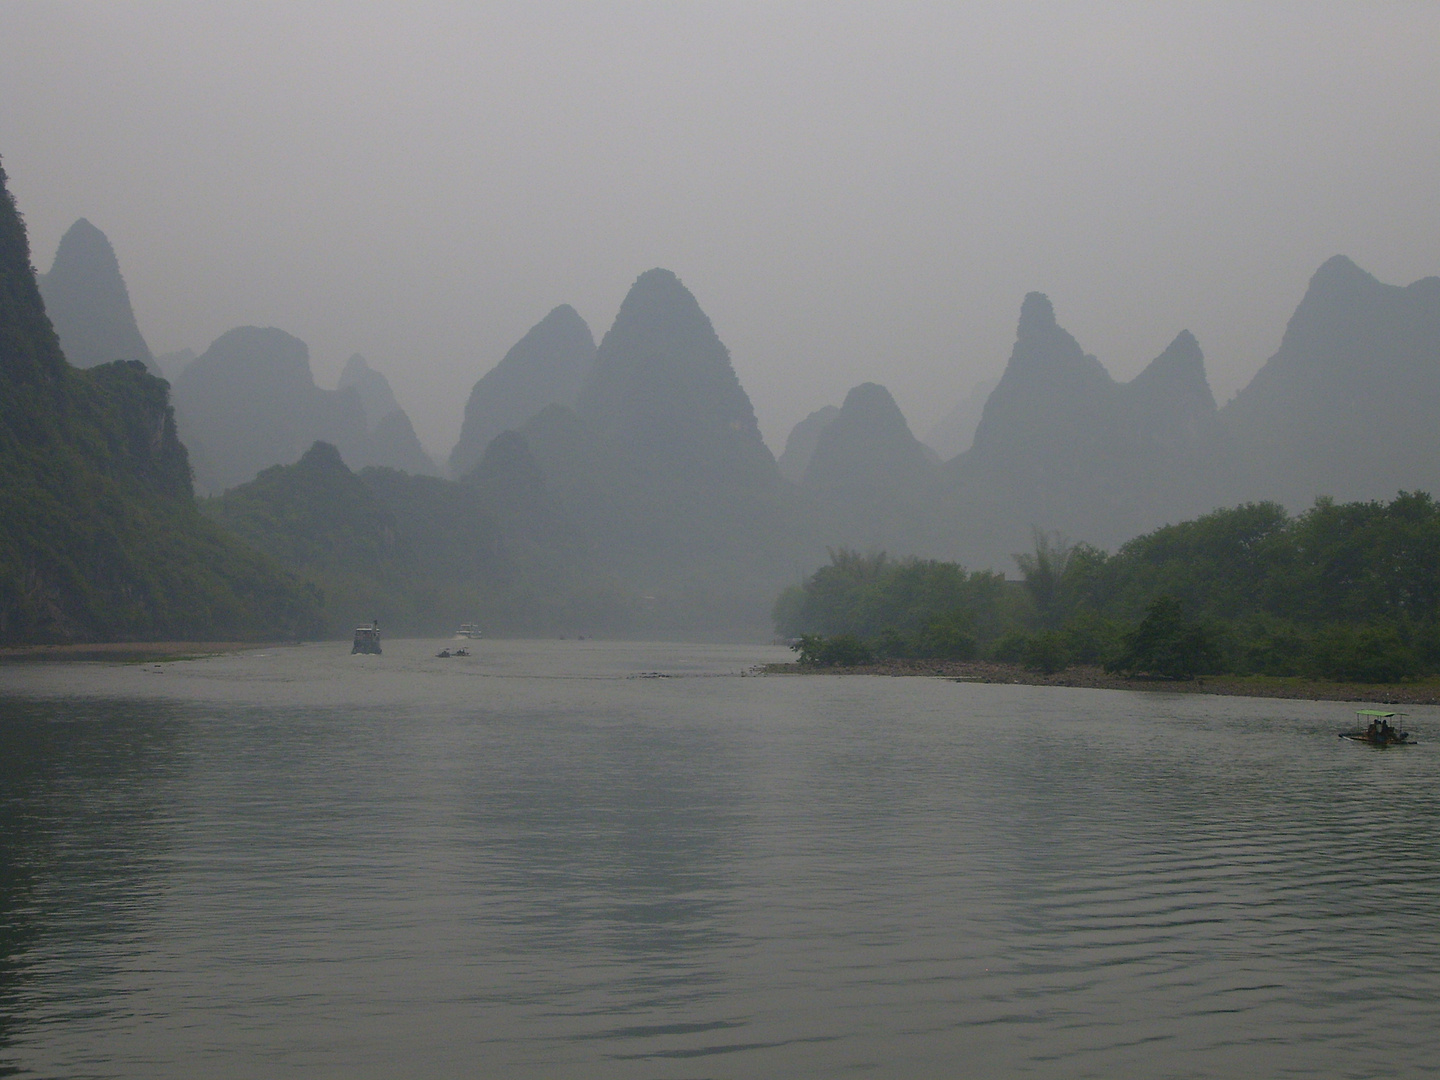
(128, 652)
(1422, 692)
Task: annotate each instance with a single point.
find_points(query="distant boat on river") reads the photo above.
(367, 640)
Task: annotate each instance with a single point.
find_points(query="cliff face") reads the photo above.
(88, 303)
(545, 367)
(99, 534)
(1346, 407)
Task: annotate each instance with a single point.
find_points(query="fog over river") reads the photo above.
(594, 859)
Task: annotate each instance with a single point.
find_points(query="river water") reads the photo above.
(583, 859)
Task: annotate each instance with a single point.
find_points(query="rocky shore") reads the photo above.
(1424, 692)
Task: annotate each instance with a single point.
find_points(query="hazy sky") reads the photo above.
(853, 191)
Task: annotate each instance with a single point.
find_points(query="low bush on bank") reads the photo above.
(842, 650)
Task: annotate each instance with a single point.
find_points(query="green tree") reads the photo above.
(1167, 645)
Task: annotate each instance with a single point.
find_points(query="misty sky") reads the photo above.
(853, 191)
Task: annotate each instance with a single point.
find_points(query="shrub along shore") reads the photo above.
(1344, 595)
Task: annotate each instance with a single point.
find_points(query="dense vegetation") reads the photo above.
(100, 538)
(1343, 591)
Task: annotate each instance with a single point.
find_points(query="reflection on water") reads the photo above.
(534, 863)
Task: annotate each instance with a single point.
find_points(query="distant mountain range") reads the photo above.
(1344, 409)
(250, 400)
(625, 488)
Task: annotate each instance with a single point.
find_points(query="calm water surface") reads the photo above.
(541, 862)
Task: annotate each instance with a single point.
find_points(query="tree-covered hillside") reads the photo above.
(100, 538)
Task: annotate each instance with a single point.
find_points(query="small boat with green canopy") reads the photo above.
(1373, 727)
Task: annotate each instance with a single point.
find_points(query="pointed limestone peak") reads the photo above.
(373, 388)
(868, 442)
(86, 298)
(1044, 350)
(1179, 372)
(1339, 273)
(1037, 315)
(545, 367)
(662, 377)
(84, 249)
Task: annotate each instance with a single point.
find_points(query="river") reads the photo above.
(588, 859)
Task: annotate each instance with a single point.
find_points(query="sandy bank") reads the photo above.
(1426, 692)
(129, 652)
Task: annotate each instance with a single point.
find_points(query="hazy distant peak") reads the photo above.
(85, 248)
(376, 396)
(1045, 352)
(661, 293)
(88, 303)
(662, 360)
(1037, 315)
(872, 400)
(1180, 369)
(323, 457)
(563, 315)
(257, 348)
(547, 366)
(1340, 273)
(354, 368)
(561, 331)
(869, 444)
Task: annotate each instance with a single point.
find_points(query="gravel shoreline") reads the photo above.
(1425, 692)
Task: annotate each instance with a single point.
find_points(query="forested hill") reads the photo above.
(100, 538)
